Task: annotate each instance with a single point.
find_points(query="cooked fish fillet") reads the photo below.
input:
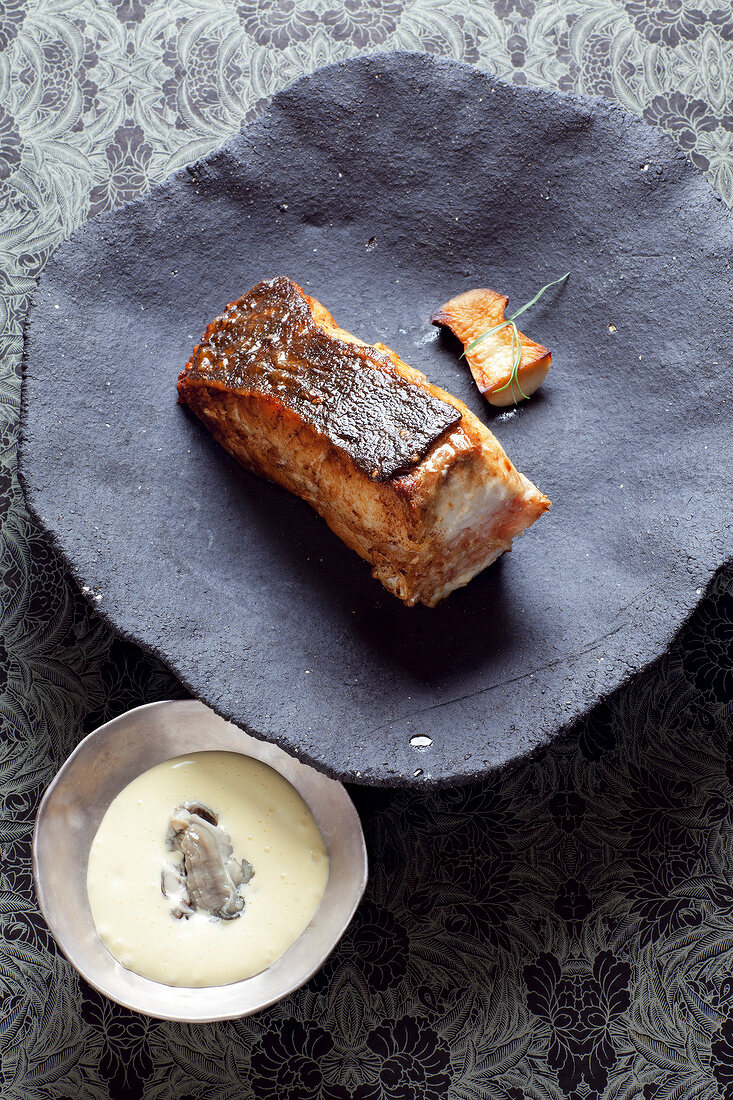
(402, 471)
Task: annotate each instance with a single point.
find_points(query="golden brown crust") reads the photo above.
(275, 340)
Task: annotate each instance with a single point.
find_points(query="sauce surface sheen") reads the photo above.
(269, 825)
(268, 342)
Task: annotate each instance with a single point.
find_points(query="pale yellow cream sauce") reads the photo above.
(269, 825)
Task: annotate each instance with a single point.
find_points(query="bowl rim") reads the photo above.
(67, 947)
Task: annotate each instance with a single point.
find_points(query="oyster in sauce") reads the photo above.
(209, 877)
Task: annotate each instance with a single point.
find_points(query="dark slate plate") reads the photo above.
(385, 185)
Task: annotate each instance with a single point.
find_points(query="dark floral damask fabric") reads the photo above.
(561, 932)
(581, 1006)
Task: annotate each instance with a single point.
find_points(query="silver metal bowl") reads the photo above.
(75, 803)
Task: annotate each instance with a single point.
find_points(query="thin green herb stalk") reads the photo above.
(516, 360)
(510, 320)
(482, 336)
(538, 295)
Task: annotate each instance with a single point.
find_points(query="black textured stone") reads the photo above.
(384, 185)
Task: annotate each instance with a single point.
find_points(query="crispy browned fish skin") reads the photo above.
(426, 531)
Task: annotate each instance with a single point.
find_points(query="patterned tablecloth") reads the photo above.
(564, 932)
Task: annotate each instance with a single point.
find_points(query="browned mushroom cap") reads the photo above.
(474, 312)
